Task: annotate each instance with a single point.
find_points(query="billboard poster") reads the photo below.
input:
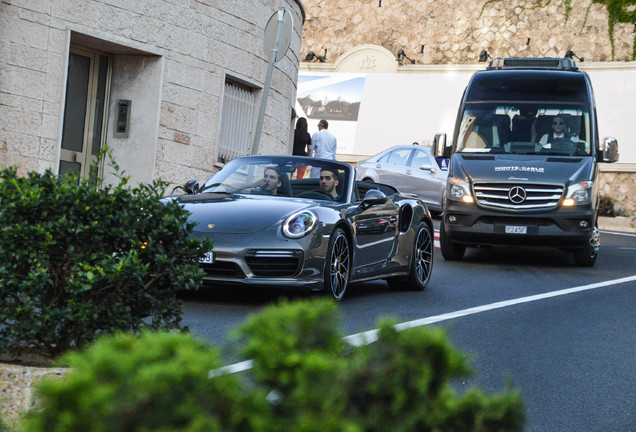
(335, 98)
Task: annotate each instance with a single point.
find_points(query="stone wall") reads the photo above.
(618, 182)
(455, 31)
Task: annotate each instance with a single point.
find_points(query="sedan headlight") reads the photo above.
(299, 224)
(579, 194)
(458, 190)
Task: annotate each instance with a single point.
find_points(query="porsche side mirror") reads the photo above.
(373, 197)
(192, 186)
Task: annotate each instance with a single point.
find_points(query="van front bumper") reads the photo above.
(567, 228)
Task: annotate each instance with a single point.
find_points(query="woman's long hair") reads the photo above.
(301, 124)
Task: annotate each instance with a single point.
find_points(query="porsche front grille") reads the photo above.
(514, 196)
(273, 263)
(224, 269)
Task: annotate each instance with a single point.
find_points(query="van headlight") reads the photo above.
(299, 224)
(579, 194)
(458, 190)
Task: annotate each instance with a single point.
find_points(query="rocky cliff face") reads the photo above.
(455, 31)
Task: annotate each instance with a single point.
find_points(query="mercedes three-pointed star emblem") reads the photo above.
(517, 194)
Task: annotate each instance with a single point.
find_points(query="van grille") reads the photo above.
(518, 196)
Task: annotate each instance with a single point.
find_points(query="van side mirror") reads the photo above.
(609, 150)
(440, 149)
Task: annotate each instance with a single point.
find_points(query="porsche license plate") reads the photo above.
(208, 258)
(516, 229)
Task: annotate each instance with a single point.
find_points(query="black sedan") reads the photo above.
(319, 232)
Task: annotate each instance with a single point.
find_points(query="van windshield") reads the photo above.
(530, 128)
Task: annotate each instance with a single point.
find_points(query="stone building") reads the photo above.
(171, 87)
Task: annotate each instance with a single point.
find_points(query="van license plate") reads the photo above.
(514, 229)
(208, 258)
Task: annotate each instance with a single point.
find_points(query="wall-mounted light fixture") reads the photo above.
(401, 56)
(312, 56)
(484, 56)
(570, 54)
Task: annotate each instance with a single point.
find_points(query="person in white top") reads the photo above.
(323, 145)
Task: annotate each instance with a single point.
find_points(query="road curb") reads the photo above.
(618, 224)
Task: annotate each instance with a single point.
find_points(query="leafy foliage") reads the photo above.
(156, 382)
(78, 259)
(606, 206)
(401, 382)
(304, 378)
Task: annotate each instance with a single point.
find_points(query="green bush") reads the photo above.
(304, 378)
(78, 260)
(606, 206)
(155, 382)
(401, 382)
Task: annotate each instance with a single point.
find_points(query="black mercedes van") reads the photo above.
(524, 160)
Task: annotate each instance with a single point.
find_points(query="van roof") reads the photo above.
(545, 63)
(529, 85)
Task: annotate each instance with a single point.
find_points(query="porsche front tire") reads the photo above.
(337, 265)
(421, 262)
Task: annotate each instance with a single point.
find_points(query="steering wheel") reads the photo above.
(316, 194)
(563, 145)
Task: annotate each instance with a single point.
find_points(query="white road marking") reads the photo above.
(371, 336)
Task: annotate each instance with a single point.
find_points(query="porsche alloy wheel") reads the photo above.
(422, 258)
(338, 265)
(421, 262)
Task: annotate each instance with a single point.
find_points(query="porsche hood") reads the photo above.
(237, 214)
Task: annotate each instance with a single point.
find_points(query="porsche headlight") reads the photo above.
(458, 190)
(299, 224)
(579, 194)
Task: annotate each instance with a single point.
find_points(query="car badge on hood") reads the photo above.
(517, 194)
(210, 226)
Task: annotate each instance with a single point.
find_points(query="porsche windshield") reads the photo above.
(530, 128)
(282, 176)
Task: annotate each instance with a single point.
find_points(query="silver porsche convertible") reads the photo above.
(305, 223)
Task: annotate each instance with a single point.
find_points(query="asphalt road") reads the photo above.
(564, 335)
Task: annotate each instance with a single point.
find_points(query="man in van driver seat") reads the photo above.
(558, 132)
